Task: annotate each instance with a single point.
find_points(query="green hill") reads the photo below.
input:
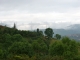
(34, 45)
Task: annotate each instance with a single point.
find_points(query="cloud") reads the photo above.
(40, 13)
(39, 5)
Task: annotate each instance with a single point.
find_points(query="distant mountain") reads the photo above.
(64, 32)
(72, 31)
(74, 27)
(73, 34)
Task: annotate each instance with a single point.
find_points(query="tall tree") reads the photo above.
(14, 27)
(49, 32)
(37, 30)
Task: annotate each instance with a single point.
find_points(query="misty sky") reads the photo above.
(31, 14)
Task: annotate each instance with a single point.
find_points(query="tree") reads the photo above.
(21, 48)
(66, 40)
(1, 53)
(58, 36)
(36, 47)
(37, 30)
(44, 48)
(14, 27)
(49, 32)
(39, 33)
(17, 37)
(56, 49)
(71, 48)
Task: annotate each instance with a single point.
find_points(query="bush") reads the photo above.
(56, 48)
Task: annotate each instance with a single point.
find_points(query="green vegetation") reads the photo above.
(49, 32)
(57, 36)
(33, 45)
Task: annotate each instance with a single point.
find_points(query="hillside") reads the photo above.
(2, 26)
(34, 45)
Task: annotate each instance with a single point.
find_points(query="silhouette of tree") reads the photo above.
(14, 27)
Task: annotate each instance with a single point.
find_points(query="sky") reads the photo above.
(33, 14)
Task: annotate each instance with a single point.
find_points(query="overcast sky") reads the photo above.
(31, 14)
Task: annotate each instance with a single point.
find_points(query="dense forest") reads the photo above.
(36, 45)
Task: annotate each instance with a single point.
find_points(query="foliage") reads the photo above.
(57, 48)
(49, 32)
(33, 45)
(71, 48)
(58, 36)
(21, 48)
(17, 37)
